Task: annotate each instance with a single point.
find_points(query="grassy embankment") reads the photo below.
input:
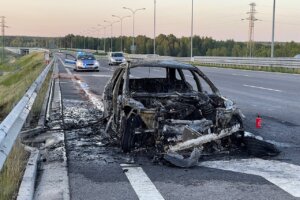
(253, 68)
(17, 78)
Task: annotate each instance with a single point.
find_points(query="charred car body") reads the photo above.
(171, 106)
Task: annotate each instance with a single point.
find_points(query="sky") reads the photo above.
(219, 19)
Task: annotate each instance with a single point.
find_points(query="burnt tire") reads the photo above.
(259, 148)
(128, 130)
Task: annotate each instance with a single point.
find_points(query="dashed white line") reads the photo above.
(156, 70)
(95, 75)
(68, 71)
(284, 175)
(245, 75)
(141, 183)
(189, 76)
(112, 70)
(262, 88)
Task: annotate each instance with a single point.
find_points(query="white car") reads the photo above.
(116, 58)
(297, 56)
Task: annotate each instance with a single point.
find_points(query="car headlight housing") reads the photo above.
(113, 60)
(79, 63)
(123, 60)
(96, 63)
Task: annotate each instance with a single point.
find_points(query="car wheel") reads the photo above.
(128, 129)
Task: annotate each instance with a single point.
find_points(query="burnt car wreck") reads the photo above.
(173, 107)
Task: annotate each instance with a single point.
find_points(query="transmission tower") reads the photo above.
(3, 26)
(252, 19)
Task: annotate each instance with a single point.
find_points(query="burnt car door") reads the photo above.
(108, 92)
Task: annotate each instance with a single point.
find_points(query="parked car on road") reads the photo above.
(116, 58)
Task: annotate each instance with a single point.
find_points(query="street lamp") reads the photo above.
(192, 31)
(273, 30)
(83, 33)
(91, 32)
(154, 39)
(133, 18)
(121, 20)
(111, 32)
(101, 27)
(104, 28)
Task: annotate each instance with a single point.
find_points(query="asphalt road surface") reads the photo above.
(97, 172)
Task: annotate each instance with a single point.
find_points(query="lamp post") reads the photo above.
(91, 32)
(111, 32)
(101, 28)
(154, 38)
(273, 30)
(121, 20)
(192, 31)
(83, 33)
(104, 28)
(133, 18)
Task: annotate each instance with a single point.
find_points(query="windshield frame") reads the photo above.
(86, 57)
(117, 55)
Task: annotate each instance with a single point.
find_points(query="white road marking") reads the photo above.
(107, 69)
(189, 76)
(262, 88)
(141, 183)
(284, 175)
(156, 70)
(84, 86)
(240, 75)
(69, 72)
(95, 75)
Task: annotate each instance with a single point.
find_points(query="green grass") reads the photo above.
(13, 170)
(38, 104)
(253, 68)
(9, 58)
(18, 78)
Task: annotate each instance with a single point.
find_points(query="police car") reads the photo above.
(86, 62)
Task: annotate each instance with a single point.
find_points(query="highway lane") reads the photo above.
(274, 96)
(91, 178)
(267, 89)
(279, 107)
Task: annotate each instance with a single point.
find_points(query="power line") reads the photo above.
(3, 26)
(252, 19)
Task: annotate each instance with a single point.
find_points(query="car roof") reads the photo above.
(163, 64)
(116, 53)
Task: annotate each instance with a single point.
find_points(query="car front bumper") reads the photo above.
(87, 68)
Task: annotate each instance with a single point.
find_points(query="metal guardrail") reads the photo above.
(13, 123)
(227, 61)
(241, 61)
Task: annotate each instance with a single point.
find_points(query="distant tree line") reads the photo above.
(167, 45)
